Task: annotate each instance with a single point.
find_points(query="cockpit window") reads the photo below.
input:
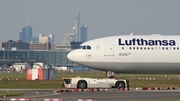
(86, 47)
(80, 47)
(83, 47)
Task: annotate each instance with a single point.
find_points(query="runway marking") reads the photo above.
(44, 95)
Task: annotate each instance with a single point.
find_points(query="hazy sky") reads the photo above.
(103, 17)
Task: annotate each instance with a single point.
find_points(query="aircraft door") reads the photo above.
(109, 48)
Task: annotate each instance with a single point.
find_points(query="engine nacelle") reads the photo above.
(110, 74)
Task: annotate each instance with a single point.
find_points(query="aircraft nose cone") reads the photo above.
(70, 56)
(74, 56)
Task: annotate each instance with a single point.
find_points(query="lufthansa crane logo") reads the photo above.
(88, 55)
(97, 46)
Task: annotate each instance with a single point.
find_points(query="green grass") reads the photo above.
(3, 93)
(18, 80)
(47, 84)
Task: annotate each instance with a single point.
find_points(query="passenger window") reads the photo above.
(88, 47)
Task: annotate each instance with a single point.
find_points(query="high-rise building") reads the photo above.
(74, 33)
(51, 36)
(21, 36)
(35, 40)
(26, 34)
(77, 35)
(45, 39)
(84, 33)
(68, 37)
(77, 25)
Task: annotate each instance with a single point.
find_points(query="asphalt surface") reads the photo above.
(140, 95)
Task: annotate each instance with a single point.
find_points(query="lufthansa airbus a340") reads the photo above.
(151, 54)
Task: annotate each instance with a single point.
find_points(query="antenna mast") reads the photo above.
(28, 21)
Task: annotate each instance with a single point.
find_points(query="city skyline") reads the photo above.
(117, 17)
(79, 34)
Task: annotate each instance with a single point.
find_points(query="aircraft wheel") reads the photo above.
(120, 84)
(82, 84)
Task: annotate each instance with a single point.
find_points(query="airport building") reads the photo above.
(61, 46)
(53, 57)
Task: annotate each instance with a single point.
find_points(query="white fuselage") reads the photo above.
(130, 54)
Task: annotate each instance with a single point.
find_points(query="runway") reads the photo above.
(143, 95)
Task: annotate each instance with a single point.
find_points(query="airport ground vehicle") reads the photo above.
(84, 83)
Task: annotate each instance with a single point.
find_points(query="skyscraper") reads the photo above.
(21, 36)
(35, 40)
(45, 39)
(74, 33)
(68, 37)
(77, 35)
(26, 34)
(77, 24)
(84, 33)
(51, 36)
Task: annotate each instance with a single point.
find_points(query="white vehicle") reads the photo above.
(140, 54)
(84, 83)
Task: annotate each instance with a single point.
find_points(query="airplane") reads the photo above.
(135, 54)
